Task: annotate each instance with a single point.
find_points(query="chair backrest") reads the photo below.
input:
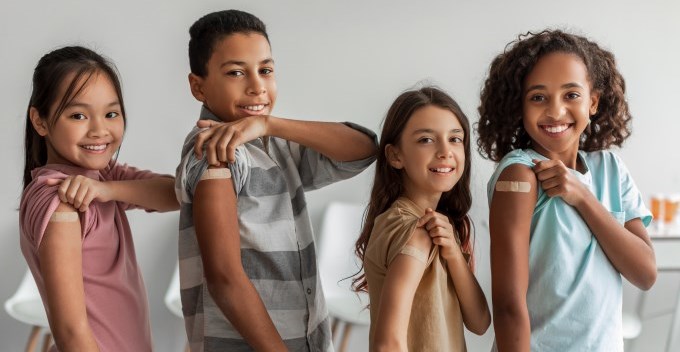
(340, 229)
(26, 305)
(172, 297)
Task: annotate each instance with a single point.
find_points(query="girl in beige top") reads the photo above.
(415, 244)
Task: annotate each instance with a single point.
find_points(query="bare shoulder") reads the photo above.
(420, 240)
(518, 172)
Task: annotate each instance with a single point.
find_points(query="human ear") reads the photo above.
(38, 123)
(196, 85)
(594, 100)
(393, 157)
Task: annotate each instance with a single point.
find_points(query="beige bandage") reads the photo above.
(513, 186)
(216, 174)
(64, 216)
(415, 253)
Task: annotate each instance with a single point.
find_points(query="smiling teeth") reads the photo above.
(556, 129)
(95, 147)
(444, 169)
(254, 107)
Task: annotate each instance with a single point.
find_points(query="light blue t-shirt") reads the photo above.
(574, 293)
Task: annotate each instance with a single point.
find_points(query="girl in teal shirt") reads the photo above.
(566, 219)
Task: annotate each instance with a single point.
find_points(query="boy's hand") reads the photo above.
(222, 138)
(441, 232)
(557, 181)
(80, 191)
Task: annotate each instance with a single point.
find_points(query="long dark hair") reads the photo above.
(70, 67)
(500, 127)
(388, 182)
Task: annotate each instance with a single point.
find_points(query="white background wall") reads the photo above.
(342, 60)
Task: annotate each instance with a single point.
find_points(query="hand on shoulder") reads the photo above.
(222, 138)
(79, 191)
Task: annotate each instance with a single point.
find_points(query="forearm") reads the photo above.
(512, 328)
(332, 139)
(473, 303)
(241, 304)
(156, 193)
(632, 255)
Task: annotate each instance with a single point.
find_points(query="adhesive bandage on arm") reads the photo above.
(215, 174)
(415, 253)
(64, 216)
(513, 186)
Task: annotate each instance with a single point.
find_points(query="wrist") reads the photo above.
(270, 124)
(452, 255)
(584, 198)
(108, 189)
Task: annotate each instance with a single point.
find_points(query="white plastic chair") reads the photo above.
(173, 299)
(27, 307)
(337, 264)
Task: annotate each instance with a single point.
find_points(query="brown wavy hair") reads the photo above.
(388, 181)
(500, 129)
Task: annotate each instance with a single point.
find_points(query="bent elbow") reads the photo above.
(388, 346)
(478, 330)
(647, 281)
(222, 284)
(71, 334)
(481, 326)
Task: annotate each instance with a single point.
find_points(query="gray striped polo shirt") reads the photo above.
(277, 243)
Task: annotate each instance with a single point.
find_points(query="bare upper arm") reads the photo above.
(60, 255)
(510, 224)
(217, 229)
(403, 276)
(420, 242)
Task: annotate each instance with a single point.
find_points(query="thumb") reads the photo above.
(53, 181)
(206, 123)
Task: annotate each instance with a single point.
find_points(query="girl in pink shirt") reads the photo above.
(74, 232)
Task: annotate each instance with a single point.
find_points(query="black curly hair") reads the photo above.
(500, 129)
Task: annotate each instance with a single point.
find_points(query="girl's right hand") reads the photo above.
(80, 191)
(441, 232)
(557, 181)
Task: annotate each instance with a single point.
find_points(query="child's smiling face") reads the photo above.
(90, 129)
(557, 103)
(430, 152)
(240, 79)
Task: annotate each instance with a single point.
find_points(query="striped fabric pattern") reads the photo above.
(277, 243)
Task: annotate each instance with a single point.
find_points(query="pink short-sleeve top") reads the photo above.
(115, 296)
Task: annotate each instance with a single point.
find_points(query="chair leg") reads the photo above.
(33, 339)
(47, 342)
(334, 328)
(345, 337)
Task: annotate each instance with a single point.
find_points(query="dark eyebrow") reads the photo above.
(266, 61)
(427, 130)
(564, 86)
(81, 104)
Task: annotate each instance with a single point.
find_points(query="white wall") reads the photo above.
(343, 60)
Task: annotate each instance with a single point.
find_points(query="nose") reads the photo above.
(256, 85)
(444, 150)
(98, 127)
(555, 109)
